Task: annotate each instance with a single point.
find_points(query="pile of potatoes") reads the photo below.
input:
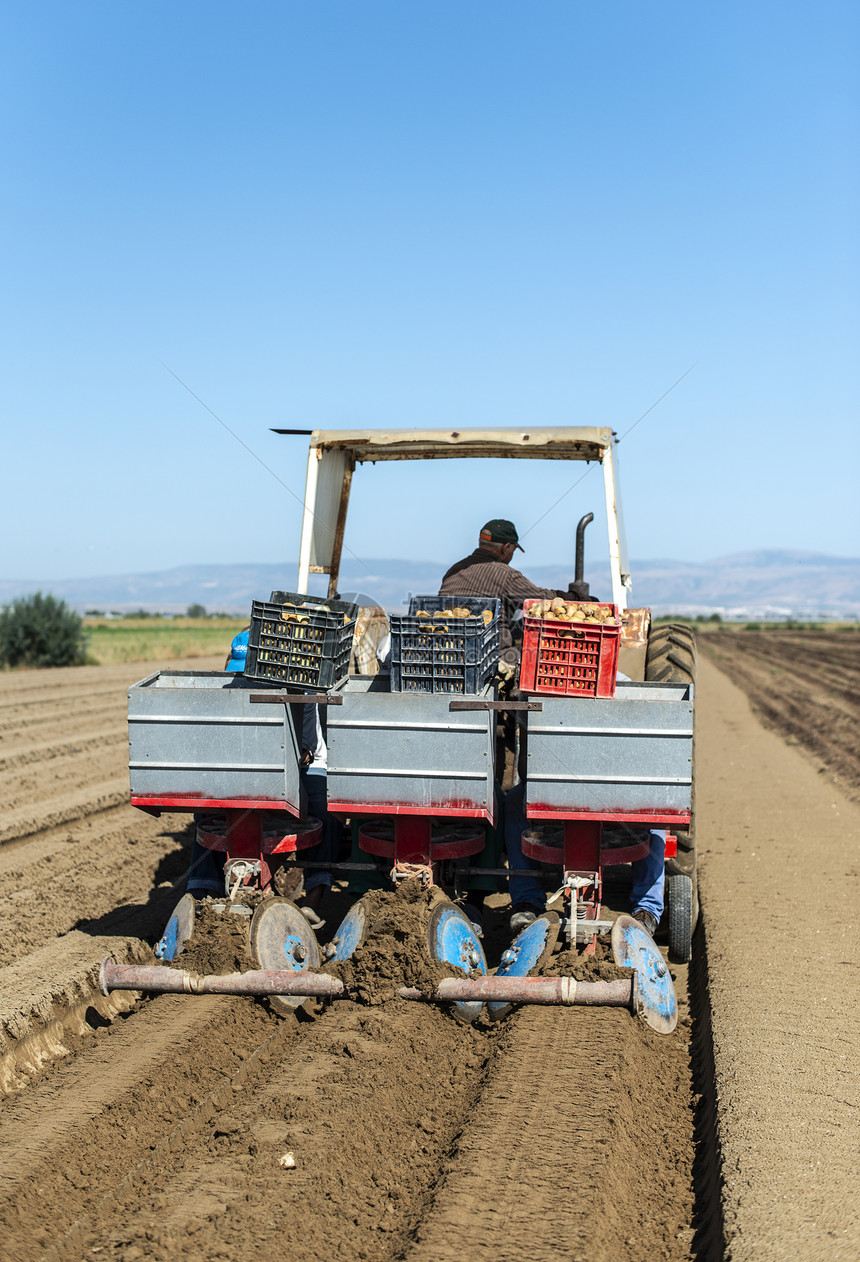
(457, 612)
(572, 611)
(292, 613)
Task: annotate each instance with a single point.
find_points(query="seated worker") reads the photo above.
(528, 899)
(238, 651)
(313, 771)
(206, 869)
(487, 572)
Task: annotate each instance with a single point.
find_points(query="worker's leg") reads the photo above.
(649, 877)
(489, 857)
(206, 869)
(361, 882)
(525, 890)
(320, 879)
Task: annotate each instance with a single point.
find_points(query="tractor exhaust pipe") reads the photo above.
(579, 568)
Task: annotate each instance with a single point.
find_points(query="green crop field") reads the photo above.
(156, 639)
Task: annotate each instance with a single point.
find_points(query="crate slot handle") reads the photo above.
(291, 698)
(495, 705)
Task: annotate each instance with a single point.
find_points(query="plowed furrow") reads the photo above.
(552, 1162)
(63, 806)
(106, 870)
(58, 723)
(81, 1130)
(86, 740)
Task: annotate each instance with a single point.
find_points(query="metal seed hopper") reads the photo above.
(600, 770)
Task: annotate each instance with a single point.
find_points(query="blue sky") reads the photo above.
(394, 214)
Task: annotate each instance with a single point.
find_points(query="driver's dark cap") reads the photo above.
(500, 531)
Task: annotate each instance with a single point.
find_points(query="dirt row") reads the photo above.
(803, 684)
(75, 853)
(778, 878)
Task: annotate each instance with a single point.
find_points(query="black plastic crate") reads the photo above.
(301, 640)
(456, 655)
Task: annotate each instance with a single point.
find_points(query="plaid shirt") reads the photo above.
(483, 574)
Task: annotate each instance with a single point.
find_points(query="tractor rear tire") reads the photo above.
(681, 912)
(671, 654)
(671, 658)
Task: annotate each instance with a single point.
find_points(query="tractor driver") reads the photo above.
(206, 869)
(487, 572)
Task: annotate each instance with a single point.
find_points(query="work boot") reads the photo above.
(199, 893)
(312, 902)
(315, 922)
(523, 914)
(646, 920)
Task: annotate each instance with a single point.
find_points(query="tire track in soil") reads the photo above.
(709, 1241)
(579, 1148)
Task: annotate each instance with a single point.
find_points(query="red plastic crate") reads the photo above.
(569, 659)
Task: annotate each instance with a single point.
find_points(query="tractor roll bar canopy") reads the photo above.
(333, 455)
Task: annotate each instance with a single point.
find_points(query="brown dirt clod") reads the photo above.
(219, 943)
(396, 951)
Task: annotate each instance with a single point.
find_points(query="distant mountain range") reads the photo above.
(746, 584)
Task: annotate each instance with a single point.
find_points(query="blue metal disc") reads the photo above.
(177, 931)
(633, 947)
(281, 938)
(528, 949)
(452, 940)
(351, 933)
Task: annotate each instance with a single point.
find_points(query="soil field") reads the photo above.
(210, 1128)
(803, 684)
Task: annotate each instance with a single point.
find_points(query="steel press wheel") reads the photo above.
(281, 938)
(679, 907)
